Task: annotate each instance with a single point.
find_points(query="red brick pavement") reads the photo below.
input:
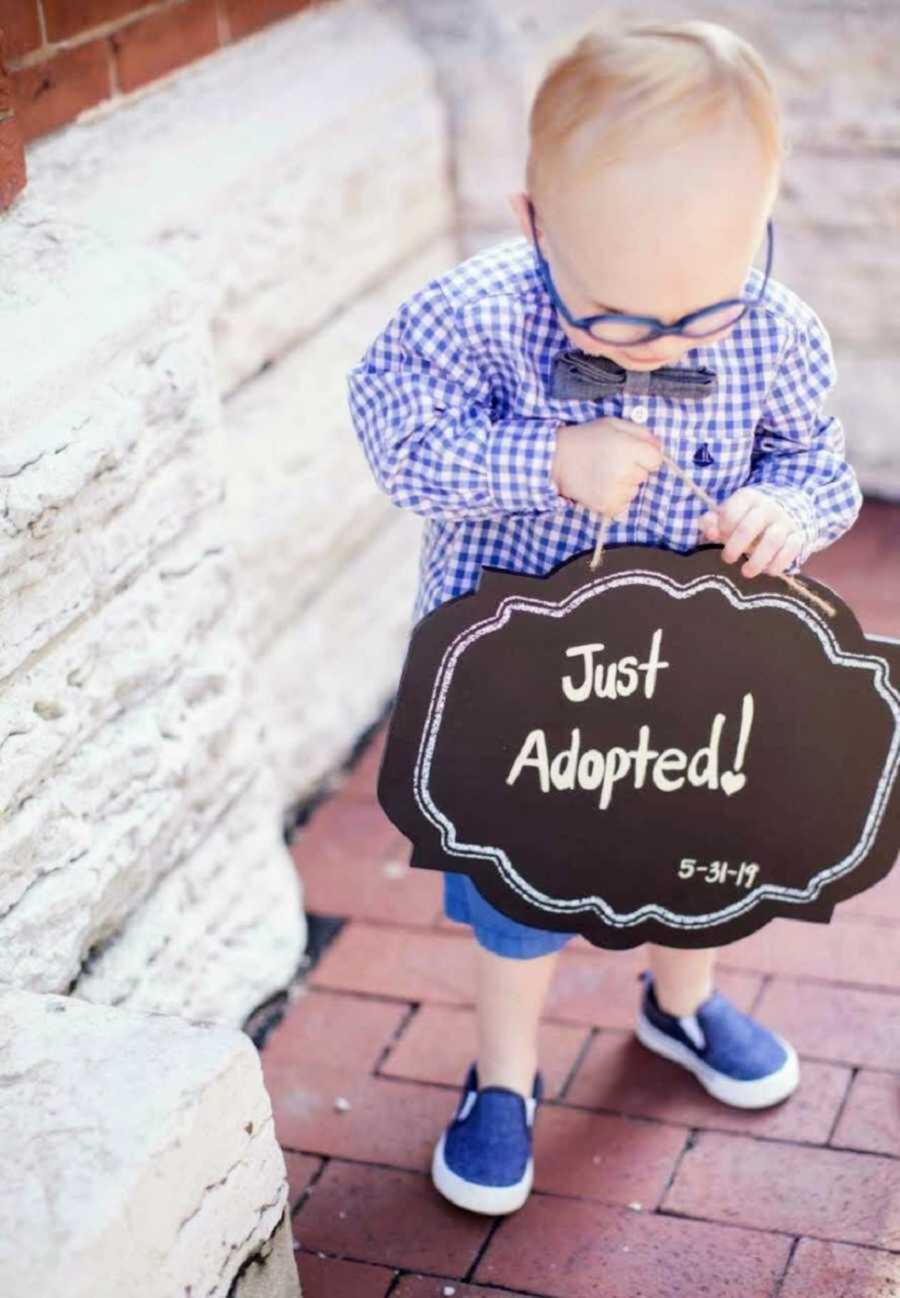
(645, 1186)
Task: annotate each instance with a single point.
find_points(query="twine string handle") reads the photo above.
(799, 587)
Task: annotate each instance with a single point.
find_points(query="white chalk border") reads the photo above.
(577, 905)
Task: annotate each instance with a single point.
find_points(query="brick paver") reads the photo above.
(412, 1286)
(383, 1122)
(440, 1042)
(599, 1156)
(826, 1021)
(645, 1187)
(820, 1269)
(398, 962)
(353, 862)
(376, 1214)
(566, 1248)
(301, 1169)
(327, 1277)
(329, 1032)
(828, 1193)
(871, 1118)
(602, 989)
(882, 902)
(619, 1074)
(855, 950)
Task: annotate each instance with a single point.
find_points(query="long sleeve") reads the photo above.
(798, 455)
(421, 405)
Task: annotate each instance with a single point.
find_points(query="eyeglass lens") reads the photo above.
(608, 331)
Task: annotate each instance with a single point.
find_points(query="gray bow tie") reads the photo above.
(578, 375)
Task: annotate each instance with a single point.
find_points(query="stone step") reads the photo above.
(137, 1156)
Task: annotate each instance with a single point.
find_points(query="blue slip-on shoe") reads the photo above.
(483, 1161)
(736, 1059)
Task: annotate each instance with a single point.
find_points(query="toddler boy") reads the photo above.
(654, 163)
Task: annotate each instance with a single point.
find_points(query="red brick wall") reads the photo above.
(12, 161)
(58, 57)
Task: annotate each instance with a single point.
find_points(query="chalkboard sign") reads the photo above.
(657, 750)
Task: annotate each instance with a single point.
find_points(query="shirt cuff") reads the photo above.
(799, 506)
(519, 465)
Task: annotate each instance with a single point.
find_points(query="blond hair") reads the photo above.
(618, 91)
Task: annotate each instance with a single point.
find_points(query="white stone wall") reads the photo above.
(207, 596)
(328, 566)
(141, 859)
(285, 173)
(837, 219)
(302, 220)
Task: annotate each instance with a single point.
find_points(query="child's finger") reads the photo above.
(709, 525)
(640, 431)
(745, 533)
(766, 548)
(784, 557)
(734, 507)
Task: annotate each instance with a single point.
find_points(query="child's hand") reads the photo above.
(602, 463)
(750, 520)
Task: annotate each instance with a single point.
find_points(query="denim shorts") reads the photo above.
(493, 930)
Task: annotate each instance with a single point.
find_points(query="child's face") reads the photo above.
(662, 235)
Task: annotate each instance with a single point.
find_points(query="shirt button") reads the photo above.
(639, 414)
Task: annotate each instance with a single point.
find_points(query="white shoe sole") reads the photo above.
(757, 1094)
(492, 1199)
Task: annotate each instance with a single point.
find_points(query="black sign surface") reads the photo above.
(656, 750)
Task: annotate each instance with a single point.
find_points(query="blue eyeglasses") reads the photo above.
(629, 329)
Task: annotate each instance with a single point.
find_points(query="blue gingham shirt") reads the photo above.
(451, 404)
